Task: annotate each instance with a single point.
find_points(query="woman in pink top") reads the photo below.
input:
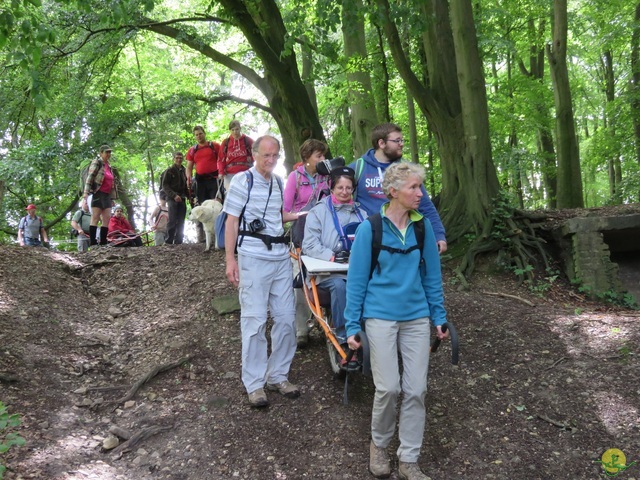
(301, 193)
(101, 183)
(304, 183)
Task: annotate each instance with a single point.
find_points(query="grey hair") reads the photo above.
(398, 173)
(256, 145)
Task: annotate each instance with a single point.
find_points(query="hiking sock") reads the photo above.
(103, 235)
(93, 231)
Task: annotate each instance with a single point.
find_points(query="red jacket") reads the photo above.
(238, 157)
(118, 226)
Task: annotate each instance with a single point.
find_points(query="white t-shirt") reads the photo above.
(265, 202)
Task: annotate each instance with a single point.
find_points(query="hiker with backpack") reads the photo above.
(387, 143)
(204, 157)
(394, 286)
(262, 273)
(328, 235)
(100, 181)
(31, 232)
(302, 191)
(173, 183)
(235, 154)
(81, 224)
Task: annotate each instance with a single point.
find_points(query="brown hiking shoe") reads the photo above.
(287, 389)
(411, 471)
(379, 461)
(258, 398)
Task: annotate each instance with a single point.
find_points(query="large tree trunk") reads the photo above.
(458, 115)
(569, 176)
(635, 83)
(381, 76)
(613, 162)
(361, 101)
(544, 135)
(289, 102)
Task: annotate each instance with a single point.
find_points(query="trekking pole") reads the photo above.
(454, 342)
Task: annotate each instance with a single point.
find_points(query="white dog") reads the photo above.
(207, 214)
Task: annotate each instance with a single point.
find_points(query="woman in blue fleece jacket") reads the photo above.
(396, 304)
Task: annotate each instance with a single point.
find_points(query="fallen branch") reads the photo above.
(555, 423)
(148, 376)
(557, 362)
(523, 300)
(139, 437)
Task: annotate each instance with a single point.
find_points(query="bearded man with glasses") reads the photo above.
(387, 143)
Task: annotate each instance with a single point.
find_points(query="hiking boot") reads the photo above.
(287, 389)
(301, 341)
(379, 461)
(258, 398)
(411, 471)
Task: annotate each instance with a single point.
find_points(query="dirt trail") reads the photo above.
(541, 392)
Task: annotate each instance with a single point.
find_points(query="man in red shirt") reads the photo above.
(235, 154)
(204, 155)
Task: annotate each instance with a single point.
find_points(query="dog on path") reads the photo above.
(207, 214)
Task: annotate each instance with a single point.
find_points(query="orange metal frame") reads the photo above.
(311, 295)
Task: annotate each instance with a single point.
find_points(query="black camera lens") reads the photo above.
(256, 225)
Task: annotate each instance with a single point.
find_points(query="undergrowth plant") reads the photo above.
(8, 438)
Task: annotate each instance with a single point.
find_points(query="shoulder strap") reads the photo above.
(247, 147)
(376, 240)
(359, 168)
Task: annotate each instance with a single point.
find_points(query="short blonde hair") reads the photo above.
(398, 173)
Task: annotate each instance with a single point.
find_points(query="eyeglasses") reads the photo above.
(344, 188)
(270, 156)
(397, 141)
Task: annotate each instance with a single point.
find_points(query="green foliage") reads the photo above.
(8, 438)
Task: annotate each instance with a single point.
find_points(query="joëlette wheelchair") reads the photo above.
(343, 361)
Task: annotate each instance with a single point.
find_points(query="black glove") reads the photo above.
(342, 257)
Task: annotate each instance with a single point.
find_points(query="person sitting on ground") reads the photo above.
(396, 297)
(302, 191)
(121, 234)
(327, 236)
(31, 231)
(81, 223)
(160, 219)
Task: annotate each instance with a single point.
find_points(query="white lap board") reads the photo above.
(318, 267)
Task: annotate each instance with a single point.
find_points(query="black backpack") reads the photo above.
(209, 144)
(376, 242)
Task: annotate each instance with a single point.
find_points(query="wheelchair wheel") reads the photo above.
(334, 361)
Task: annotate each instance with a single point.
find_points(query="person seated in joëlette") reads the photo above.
(328, 233)
(121, 234)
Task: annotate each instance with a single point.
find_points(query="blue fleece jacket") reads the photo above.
(398, 291)
(371, 197)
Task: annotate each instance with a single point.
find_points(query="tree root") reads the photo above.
(514, 237)
(140, 436)
(144, 379)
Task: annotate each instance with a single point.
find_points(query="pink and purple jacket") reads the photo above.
(301, 188)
